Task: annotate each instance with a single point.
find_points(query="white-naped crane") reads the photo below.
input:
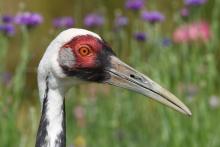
(77, 56)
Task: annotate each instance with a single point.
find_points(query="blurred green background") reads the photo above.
(105, 116)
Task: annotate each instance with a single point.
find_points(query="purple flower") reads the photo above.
(121, 21)
(63, 22)
(194, 2)
(29, 19)
(134, 4)
(140, 36)
(7, 19)
(152, 16)
(166, 42)
(94, 20)
(184, 12)
(6, 78)
(7, 29)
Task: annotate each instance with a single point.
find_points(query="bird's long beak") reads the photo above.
(125, 76)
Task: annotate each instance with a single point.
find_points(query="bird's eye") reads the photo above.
(85, 51)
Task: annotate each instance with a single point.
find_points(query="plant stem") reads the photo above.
(20, 73)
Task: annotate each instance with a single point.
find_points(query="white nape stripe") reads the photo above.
(55, 116)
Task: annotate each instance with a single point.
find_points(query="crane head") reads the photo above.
(78, 55)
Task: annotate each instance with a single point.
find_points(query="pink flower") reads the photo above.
(197, 31)
(214, 101)
(181, 34)
(79, 114)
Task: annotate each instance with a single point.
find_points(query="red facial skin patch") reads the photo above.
(94, 45)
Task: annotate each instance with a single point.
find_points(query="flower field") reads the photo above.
(175, 43)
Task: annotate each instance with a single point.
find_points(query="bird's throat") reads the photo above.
(51, 131)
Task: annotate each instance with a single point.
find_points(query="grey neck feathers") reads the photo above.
(52, 128)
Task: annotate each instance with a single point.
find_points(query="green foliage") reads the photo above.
(119, 118)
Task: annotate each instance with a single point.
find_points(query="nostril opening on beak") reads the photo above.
(136, 77)
(132, 76)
